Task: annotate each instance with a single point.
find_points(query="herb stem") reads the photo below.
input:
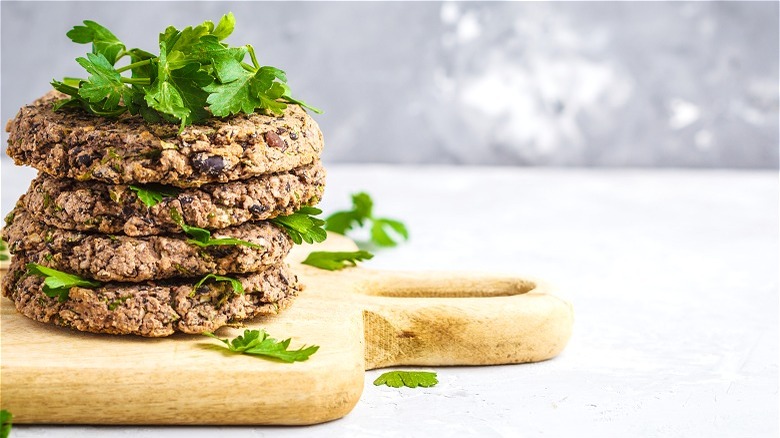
(137, 81)
(248, 67)
(133, 65)
(252, 55)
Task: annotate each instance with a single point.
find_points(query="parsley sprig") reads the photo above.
(153, 194)
(302, 226)
(57, 283)
(361, 215)
(335, 260)
(238, 288)
(202, 237)
(410, 379)
(194, 75)
(258, 343)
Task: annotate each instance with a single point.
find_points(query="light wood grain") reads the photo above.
(361, 319)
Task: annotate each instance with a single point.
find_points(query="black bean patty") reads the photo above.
(152, 309)
(134, 259)
(116, 209)
(73, 144)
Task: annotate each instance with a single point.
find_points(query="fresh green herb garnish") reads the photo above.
(257, 342)
(202, 237)
(114, 304)
(238, 288)
(58, 283)
(302, 226)
(194, 70)
(153, 194)
(335, 261)
(410, 379)
(362, 214)
(4, 251)
(229, 241)
(6, 421)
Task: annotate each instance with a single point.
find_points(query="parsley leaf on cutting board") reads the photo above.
(259, 343)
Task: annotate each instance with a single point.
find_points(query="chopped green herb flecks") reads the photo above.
(113, 305)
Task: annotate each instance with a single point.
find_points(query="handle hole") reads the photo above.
(441, 286)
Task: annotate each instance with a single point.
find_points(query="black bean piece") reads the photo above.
(210, 165)
(84, 160)
(258, 209)
(273, 140)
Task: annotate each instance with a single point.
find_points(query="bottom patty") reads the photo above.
(152, 309)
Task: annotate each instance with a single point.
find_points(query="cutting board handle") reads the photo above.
(460, 319)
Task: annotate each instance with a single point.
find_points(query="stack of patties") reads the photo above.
(155, 231)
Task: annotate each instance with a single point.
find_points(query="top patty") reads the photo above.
(73, 144)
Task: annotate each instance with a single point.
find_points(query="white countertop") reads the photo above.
(673, 275)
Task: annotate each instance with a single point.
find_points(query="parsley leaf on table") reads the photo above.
(6, 422)
(362, 214)
(302, 226)
(58, 283)
(335, 261)
(381, 237)
(410, 379)
(258, 343)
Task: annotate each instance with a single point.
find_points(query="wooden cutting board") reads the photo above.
(361, 319)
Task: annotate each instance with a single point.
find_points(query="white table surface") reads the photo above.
(674, 279)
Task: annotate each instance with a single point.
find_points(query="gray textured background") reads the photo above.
(563, 84)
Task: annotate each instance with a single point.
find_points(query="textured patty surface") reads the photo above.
(124, 150)
(115, 209)
(135, 259)
(152, 309)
